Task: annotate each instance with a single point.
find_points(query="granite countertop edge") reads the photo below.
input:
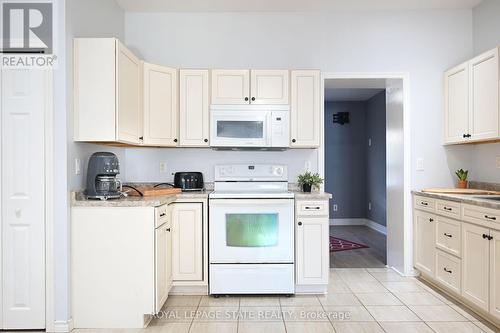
(463, 198)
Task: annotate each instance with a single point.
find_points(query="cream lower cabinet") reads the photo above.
(187, 242)
(424, 242)
(194, 104)
(161, 112)
(305, 109)
(495, 274)
(107, 92)
(475, 265)
(163, 263)
(312, 259)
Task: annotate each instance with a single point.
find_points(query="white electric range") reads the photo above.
(251, 231)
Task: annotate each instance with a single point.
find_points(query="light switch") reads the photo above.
(78, 166)
(163, 167)
(335, 208)
(307, 166)
(420, 164)
(369, 142)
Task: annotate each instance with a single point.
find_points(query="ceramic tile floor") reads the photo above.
(359, 300)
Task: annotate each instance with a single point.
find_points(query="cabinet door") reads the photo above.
(230, 86)
(160, 106)
(269, 87)
(187, 247)
(305, 109)
(484, 96)
(495, 274)
(162, 254)
(312, 250)
(456, 104)
(424, 242)
(128, 96)
(194, 108)
(475, 265)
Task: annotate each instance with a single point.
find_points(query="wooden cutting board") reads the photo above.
(150, 191)
(459, 191)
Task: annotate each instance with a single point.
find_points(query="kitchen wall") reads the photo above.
(362, 41)
(486, 36)
(346, 160)
(376, 185)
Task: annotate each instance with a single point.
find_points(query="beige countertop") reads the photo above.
(471, 199)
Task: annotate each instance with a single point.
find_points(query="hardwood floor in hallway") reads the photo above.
(372, 257)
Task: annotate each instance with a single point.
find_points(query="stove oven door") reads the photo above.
(251, 231)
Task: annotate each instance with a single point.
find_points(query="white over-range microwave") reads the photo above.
(249, 126)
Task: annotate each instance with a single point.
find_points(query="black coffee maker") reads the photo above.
(101, 177)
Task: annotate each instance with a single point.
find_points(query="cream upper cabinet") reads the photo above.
(269, 87)
(475, 265)
(187, 242)
(471, 100)
(456, 108)
(107, 92)
(160, 106)
(424, 245)
(305, 109)
(194, 104)
(230, 86)
(484, 96)
(495, 273)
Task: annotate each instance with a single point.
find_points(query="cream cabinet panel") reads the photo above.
(194, 108)
(128, 96)
(312, 259)
(160, 106)
(425, 235)
(305, 109)
(187, 242)
(269, 87)
(230, 86)
(495, 273)
(456, 107)
(163, 262)
(484, 96)
(475, 265)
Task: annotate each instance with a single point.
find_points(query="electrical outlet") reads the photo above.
(163, 167)
(369, 206)
(78, 166)
(498, 162)
(420, 164)
(335, 208)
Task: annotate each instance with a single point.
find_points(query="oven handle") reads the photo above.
(241, 202)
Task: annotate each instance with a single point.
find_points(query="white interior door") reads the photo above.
(24, 94)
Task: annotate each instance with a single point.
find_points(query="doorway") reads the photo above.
(366, 168)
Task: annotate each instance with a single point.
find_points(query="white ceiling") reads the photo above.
(288, 5)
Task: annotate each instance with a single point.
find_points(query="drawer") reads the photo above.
(481, 215)
(318, 208)
(448, 208)
(448, 271)
(424, 203)
(161, 215)
(448, 236)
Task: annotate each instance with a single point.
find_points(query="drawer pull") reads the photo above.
(490, 217)
(431, 220)
(448, 235)
(485, 236)
(316, 207)
(423, 203)
(168, 229)
(447, 209)
(300, 223)
(447, 270)
(163, 214)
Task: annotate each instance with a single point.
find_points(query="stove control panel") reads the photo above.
(251, 172)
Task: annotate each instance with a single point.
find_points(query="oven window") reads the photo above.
(251, 230)
(240, 129)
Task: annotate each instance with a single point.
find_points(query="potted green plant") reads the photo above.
(462, 178)
(307, 180)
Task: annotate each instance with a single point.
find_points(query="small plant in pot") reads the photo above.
(462, 178)
(308, 180)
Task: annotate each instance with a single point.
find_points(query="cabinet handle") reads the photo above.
(447, 208)
(293, 140)
(246, 99)
(168, 229)
(490, 217)
(448, 235)
(316, 208)
(300, 223)
(485, 236)
(423, 203)
(141, 138)
(431, 220)
(253, 99)
(447, 270)
(163, 214)
(206, 140)
(175, 140)
(467, 135)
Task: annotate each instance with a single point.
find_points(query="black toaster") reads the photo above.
(189, 181)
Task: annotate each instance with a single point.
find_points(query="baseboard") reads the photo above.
(61, 326)
(360, 221)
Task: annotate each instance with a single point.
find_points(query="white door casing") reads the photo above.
(24, 98)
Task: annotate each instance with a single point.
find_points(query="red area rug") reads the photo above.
(339, 244)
